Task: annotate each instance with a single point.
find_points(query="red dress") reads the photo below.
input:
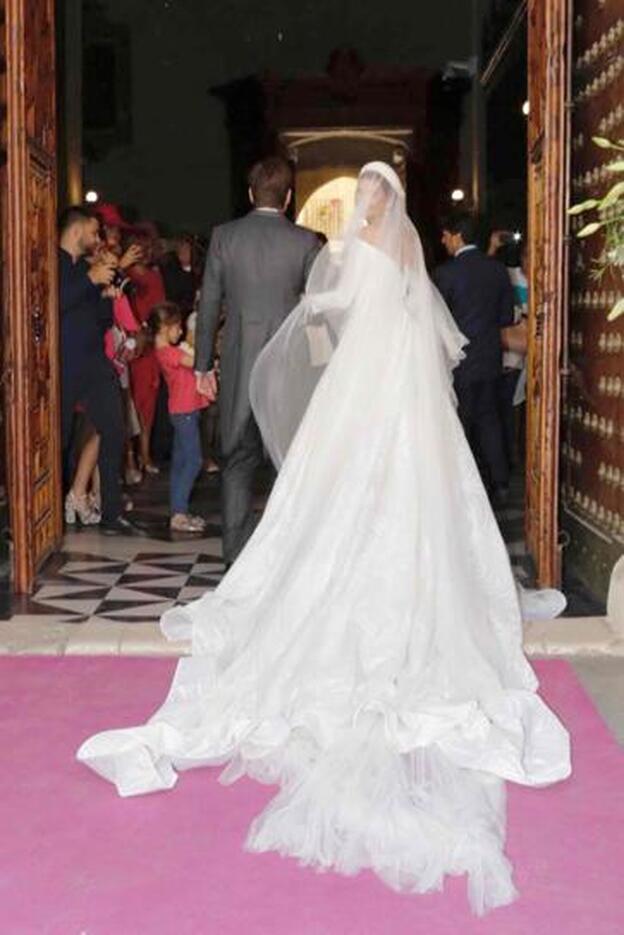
(144, 371)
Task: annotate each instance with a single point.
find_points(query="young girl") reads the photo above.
(185, 405)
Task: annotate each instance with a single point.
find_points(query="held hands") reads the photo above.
(207, 385)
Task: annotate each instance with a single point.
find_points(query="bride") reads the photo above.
(364, 652)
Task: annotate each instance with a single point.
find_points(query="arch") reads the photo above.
(329, 205)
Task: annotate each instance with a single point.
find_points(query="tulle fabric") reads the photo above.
(364, 652)
(291, 366)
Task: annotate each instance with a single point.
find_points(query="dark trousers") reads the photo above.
(478, 411)
(186, 460)
(237, 478)
(96, 387)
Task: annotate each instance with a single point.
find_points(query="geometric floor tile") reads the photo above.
(149, 572)
(78, 606)
(138, 589)
(136, 595)
(191, 593)
(143, 612)
(136, 580)
(52, 592)
(147, 582)
(105, 579)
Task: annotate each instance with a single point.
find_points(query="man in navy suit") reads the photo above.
(480, 296)
(87, 375)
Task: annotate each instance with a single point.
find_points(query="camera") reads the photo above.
(510, 237)
(123, 283)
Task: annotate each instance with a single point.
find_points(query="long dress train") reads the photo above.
(364, 652)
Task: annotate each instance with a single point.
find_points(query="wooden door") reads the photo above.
(29, 300)
(548, 31)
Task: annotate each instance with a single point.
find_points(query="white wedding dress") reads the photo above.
(364, 652)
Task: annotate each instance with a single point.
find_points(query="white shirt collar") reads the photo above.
(468, 246)
(268, 210)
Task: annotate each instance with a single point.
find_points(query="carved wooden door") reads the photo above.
(30, 318)
(548, 22)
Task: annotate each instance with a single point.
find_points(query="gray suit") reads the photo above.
(257, 266)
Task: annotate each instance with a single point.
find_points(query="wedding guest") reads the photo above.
(178, 274)
(479, 294)
(149, 291)
(83, 501)
(121, 345)
(113, 226)
(185, 406)
(87, 376)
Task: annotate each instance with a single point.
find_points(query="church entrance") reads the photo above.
(328, 154)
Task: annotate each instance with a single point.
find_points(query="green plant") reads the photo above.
(610, 210)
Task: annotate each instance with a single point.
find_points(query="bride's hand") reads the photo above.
(311, 316)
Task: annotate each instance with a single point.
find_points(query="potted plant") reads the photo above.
(610, 219)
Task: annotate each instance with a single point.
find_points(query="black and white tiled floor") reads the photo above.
(130, 580)
(135, 580)
(134, 590)
(103, 594)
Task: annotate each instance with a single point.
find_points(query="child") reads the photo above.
(185, 404)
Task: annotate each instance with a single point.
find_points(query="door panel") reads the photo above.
(30, 314)
(548, 22)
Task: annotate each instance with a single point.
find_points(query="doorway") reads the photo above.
(29, 281)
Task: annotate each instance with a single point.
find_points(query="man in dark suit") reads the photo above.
(257, 266)
(87, 376)
(479, 294)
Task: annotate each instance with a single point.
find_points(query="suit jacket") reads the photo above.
(85, 316)
(478, 291)
(258, 266)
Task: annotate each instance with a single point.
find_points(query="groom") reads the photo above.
(257, 267)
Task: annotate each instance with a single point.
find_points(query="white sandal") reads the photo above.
(80, 509)
(182, 522)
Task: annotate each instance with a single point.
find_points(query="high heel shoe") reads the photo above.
(79, 508)
(94, 502)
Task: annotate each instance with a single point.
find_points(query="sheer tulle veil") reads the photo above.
(290, 367)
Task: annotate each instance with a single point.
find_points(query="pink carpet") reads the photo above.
(77, 859)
